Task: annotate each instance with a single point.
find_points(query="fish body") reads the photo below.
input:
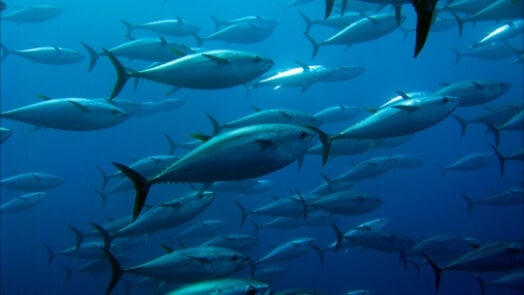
(503, 33)
(289, 250)
(31, 182)
(337, 114)
(403, 118)
(22, 203)
(50, 55)
(212, 69)
(471, 162)
(229, 286)
(170, 27)
(32, 14)
(248, 186)
(239, 242)
(241, 32)
(474, 92)
(202, 228)
(71, 114)
(274, 116)
(169, 214)
(347, 203)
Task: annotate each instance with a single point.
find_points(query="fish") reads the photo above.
(157, 49)
(32, 14)
(22, 203)
(212, 69)
(337, 114)
(497, 10)
(31, 182)
(316, 218)
(424, 9)
(291, 250)
(493, 51)
(474, 92)
(5, 133)
(70, 114)
(164, 105)
(358, 292)
(443, 248)
(203, 228)
(242, 153)
(49, 55)
(248, 186)
(494, 256)
(170, 27)
(187, 265)
(240, 33)
(473, 161)
(406, 117)
(366, 169)
(229, 286)
(510, 197)
(502, 33)
(249, 19)
(239, 242)
(344, 239)
(350, 146)
(169, 214)
(495, 116)
(347, 203)
(516, 156)
(366, 29)
(512, 280)
(337, 22)
(300, 291)
(269, 116)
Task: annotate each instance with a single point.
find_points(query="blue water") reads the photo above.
(418, 202)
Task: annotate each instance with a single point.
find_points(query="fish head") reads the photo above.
(115, 113)
(292, 140)
(256, 288)
(207, 196)
(502, 87)
(255, 64)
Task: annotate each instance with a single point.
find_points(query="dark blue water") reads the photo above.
(418, 202)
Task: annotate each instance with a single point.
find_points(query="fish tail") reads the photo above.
(340, 236)
(93, 56)
(171, 142)
(79, 236)
(50, 254)
(343, 7)
(417, 268)
(495, 130)
(307, 20)
(458, 56)
(469, 202)
(314, 43)
(441, 168)
(141, 184)
(243, 212)
(105, 177)
(105, 235)
(320, 253)
(437, 270)
(482, 284)
(459, 20)
(199, 40)
(103, 197)
(122, 74)
(129, 29)
(4, 52)
(216, 126)
(404, 260)
(463, 125)
(304, 204)
(218, 23)
(117, 272)
(502, 159)
(68, 273)
(329, 182)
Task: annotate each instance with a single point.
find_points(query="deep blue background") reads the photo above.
(418, 202)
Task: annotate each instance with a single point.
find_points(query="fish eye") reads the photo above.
(251, 291)
(258, 59)
(445, 99)
(302, 134)
(234, 257)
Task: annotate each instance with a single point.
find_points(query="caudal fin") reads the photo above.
(103, 197)
(141, 185)
(320, 253)
(307, 20)
(93, 56)
(129, 29)
(79, 236)
(501, 158)
(50, 254)
(68, 273)
(463, 125)
(314, 43)
(243, 212)
(340, 236)
(105, 177)
(437, 270)
(469, 202)
(122, 74)
(171, 142)
(458, 56)
(4, 52)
